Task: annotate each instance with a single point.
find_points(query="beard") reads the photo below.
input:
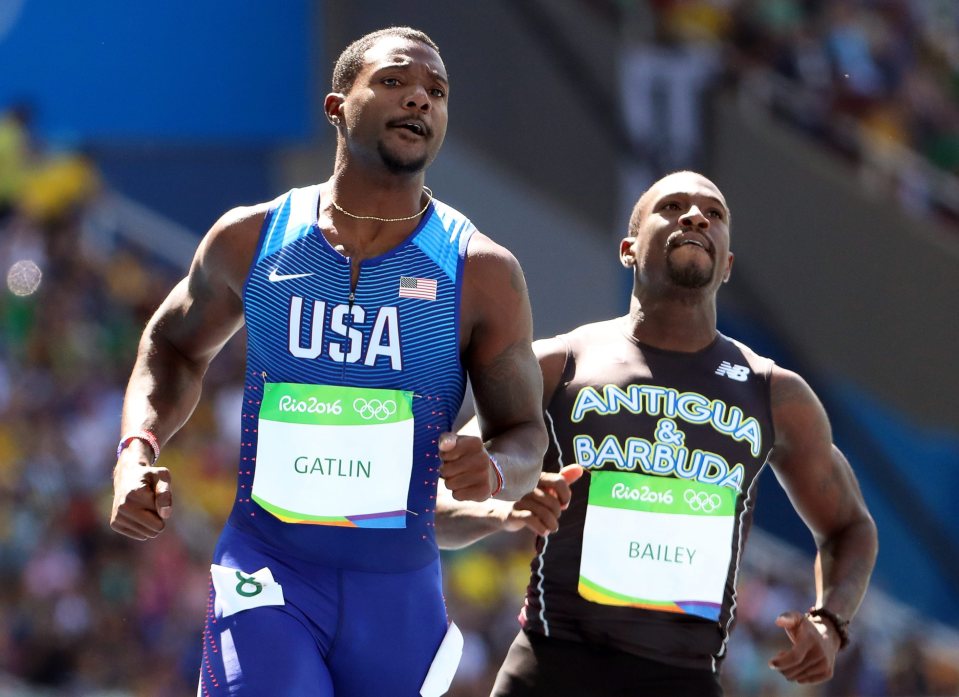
(689, 276)
(397, 166)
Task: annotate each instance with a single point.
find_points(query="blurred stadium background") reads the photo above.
(831, 125)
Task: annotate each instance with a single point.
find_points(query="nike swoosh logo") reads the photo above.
(274, 276)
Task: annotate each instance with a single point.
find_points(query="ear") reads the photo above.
(729, 268)
(626, 255)
(333, 107)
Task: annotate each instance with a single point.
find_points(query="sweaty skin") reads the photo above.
(341, 577)
(379, 171)
(679, 251)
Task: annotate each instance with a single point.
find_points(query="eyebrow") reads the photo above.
(437, 75)
(689, 194)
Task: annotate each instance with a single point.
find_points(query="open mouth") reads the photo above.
(415, 127)
(677, 241)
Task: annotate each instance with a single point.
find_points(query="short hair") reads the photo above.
(636, 217)
(350, 62)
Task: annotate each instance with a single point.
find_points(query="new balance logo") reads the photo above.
(733, 372)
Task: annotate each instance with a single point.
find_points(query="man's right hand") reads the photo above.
(541, 508)
(142, 500)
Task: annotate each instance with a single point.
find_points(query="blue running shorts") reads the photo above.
(287, 628)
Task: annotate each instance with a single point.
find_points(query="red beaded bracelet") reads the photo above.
(146, 437)
(499, 475)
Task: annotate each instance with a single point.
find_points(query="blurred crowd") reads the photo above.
(86, 612)
(876, 80)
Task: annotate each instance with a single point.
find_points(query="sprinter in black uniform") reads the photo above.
(634, 592)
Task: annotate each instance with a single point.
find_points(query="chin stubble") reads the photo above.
(689, 276)
(397, 166)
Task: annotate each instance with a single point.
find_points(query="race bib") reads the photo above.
(657, 543)
(237, 591)
(334, 455)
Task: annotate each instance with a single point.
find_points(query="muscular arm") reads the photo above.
(824, 491)
(495, 336)
(460, 523)
(188, 329)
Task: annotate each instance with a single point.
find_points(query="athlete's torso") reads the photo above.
(672, 444)
(347, 477)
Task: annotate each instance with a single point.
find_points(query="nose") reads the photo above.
(418, 99)
(694, 218)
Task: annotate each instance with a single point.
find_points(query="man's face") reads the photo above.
(395, 113)
(683, 237)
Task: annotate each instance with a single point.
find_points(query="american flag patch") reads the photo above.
(421, 288)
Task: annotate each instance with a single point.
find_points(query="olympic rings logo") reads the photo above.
(701, 501)
(377, 409)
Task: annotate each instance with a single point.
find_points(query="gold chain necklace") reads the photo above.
(429, 200)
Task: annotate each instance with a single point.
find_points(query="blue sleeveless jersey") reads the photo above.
(398, 330)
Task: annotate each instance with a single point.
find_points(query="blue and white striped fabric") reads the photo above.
(303, 326)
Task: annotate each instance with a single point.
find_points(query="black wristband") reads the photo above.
(841, 625)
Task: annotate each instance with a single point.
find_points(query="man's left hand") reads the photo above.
(812, 656)
(465, 466)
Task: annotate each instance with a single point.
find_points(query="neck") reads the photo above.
(674, 324)
(380, 193)
(365, 238)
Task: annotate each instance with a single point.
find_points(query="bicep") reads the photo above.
(205, 309)
(195, 320)
(552, 355)
(814, 473)
(505, 376)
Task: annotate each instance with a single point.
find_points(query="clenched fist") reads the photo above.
(466, 468)
(142, 499)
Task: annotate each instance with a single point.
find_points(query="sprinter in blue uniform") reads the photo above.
(367, 303)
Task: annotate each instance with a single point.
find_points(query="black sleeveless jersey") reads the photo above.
(646, 557)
